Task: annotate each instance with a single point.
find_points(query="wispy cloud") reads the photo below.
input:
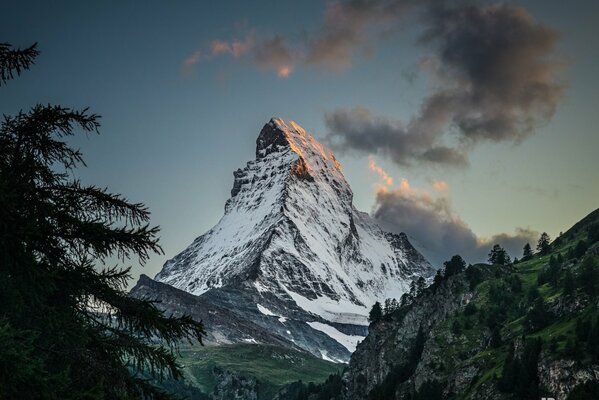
(347, 27)
(385, 178)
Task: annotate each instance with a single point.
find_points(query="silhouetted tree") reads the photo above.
(538, 317)
(580, 249)
(527, 252)
(544, 244)
(376, 313)
(420, 286)
(593, 233)
(498, 255)
(588, 277)
(454, 266)
(72, 329)
(13, 61)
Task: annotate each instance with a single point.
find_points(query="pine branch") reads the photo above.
(14, 60)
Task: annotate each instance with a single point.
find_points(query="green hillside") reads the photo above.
(522, 330)
(271, 367)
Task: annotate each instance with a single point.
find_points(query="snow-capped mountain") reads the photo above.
(290, 228)
(293, 245)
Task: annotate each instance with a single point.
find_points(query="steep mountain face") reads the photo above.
(294, 249)
(291, 229)
(522, 331)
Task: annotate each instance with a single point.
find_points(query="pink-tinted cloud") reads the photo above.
(346, 28)
(191, 61)
(386, 179)
(427, 215)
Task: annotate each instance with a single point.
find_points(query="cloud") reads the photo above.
(191, 61)
(495, 80)
(360, 130)
(428, 218)
(275, 54)
(385, 178)
(235, 48)
(439, 185)
(347, 26)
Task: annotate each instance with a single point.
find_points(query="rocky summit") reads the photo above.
(291, 259)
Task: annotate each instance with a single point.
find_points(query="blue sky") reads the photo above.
(171, 136)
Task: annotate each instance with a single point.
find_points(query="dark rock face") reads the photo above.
(269, 140)
(222, 324)
(230, 316)
(388, 342)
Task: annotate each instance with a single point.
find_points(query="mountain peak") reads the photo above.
(279, 135)
(290, 228)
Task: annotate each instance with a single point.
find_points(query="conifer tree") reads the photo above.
(498, 255)
(68, 328)
(454, 266)
(376, 313)
(544, 244)
(527, 252)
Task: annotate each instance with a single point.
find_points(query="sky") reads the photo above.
(461, 123)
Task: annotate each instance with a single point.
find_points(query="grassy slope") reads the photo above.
(558, 331)
(272, 366)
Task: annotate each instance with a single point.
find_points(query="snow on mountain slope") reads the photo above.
(290, 229)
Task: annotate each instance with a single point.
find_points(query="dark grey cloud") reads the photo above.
(436, 230)
(496, 80)
(348, 26)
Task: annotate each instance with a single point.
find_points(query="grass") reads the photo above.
(272, 366)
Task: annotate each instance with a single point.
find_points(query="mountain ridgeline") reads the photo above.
(291, 263)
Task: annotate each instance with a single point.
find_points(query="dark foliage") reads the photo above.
(593, 234)
(376, 313)
(568, 283)
(498, 255)
(527, 252)
(454, 266)
(551, 274)
(538, 317)
(14, 61)
(474, 276)
(580, 249)
(470, 309)
(495, 341)
(331, 389)
(520, 374)
(68, 328)
(588, 278)
(585, 391)
(429, 390)
(544, 244)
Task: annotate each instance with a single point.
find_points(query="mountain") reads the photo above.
(291, 260)
(527, 330)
